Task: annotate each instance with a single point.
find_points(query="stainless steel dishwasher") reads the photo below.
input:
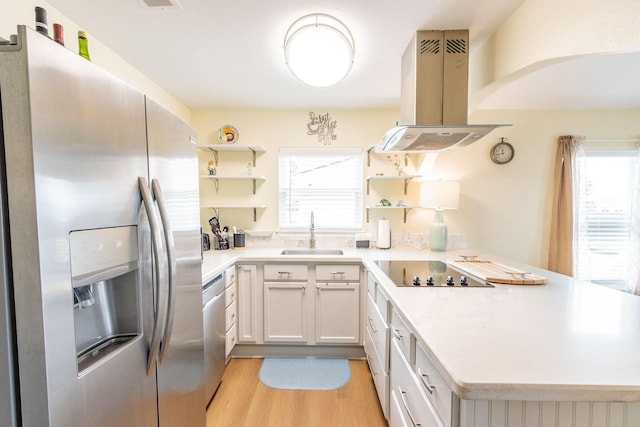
(214, 333)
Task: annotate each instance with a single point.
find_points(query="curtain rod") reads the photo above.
(612, 140)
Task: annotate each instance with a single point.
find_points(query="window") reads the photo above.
(327, 182)
(605, 188)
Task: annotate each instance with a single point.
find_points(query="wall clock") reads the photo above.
(502, 152)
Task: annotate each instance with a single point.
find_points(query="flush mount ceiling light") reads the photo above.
(319, 50)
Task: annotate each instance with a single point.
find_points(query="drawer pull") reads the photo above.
(372, 326)
(373, 371)
(396, 333)
(424, 378)
(406, 407)
(284, 273)
(338, 273)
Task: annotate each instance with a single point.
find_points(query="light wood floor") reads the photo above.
(242, 400)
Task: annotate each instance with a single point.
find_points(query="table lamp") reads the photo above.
(439, 195)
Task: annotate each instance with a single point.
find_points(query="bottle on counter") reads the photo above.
(83, 45)
(41, 21)
(58, 33)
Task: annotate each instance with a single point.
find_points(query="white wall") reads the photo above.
(544, 29)
(21, 12)
(504, 210)
(276, 129)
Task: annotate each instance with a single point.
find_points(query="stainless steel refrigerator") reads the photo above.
(100, 293)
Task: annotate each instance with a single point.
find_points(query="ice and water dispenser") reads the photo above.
(106, 292)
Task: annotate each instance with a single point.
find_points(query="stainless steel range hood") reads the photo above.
(434, 96)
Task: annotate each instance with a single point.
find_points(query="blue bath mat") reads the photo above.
(304, 373)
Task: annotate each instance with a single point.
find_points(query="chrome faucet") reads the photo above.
(312, 236)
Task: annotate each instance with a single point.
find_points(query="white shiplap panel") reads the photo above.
(549, 414)
(481, 413)
(498, 413)
(466, 413)
(616, 414)
(566, 412)
(582, 414)
(632, 418)
(515, 413)
(599, 414)
(531, 414)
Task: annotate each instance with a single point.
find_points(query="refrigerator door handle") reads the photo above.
(171, 259)
(160, 300)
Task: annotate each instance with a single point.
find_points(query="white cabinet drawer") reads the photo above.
(434, 386)
(230, 341)
(402, 334)
(230, 316)
(383, 304)
(371, 285)
(378, 372)
(411, 407)
(230, 295)
(374, 289)
(340, 272)
(396, 416)
(379, 332)
(283, 272)
(229, 276)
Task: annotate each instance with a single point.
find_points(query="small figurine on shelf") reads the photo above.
(212, 168)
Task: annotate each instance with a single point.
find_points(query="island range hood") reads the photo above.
(434, 95)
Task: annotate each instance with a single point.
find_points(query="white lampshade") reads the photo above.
(319, 50)
(440, 194)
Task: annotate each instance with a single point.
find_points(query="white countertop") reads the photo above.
(564, 340)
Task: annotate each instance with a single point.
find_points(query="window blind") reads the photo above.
(604, 188)
(327, 182)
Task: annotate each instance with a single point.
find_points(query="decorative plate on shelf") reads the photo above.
(228, 134)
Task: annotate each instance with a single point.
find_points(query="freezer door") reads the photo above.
(8, 391)
(173, 171)
(75, 145)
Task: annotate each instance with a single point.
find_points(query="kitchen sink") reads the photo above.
(312, 252)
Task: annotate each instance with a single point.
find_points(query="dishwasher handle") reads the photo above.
(213, 288)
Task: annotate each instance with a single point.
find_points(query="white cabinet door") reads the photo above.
(338, 312)
(285, 312)
(248, 321)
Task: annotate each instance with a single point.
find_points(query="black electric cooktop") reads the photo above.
(428, 274)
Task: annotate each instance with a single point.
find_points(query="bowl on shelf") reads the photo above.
(228, 134)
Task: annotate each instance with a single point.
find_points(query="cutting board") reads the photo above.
(497, 273)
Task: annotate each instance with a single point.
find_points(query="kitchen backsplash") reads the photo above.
(398, 241)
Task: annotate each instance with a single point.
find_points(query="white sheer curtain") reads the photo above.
(633, 285)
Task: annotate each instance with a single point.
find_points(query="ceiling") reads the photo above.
(228, 53)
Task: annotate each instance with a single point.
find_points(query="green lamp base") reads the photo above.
(438, 233)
